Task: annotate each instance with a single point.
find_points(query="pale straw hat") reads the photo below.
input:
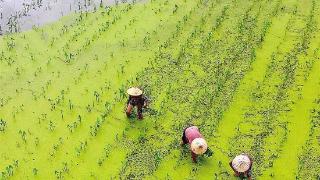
(199, 146)
(134, 91)
(241, 163)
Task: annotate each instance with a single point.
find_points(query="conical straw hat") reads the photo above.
(241, 163)
(134, 91)
(199, 146)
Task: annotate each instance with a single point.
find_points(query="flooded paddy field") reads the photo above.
(21, 15)
(245, 72)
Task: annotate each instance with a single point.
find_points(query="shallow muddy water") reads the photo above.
(21, 15)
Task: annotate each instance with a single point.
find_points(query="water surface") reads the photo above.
(21, 15)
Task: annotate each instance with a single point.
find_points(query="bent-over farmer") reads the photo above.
(136, 98)
(241, 166)
(191, 135)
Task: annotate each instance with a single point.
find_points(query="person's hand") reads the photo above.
(146, 103)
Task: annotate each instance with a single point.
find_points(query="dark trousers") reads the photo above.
(130, 109)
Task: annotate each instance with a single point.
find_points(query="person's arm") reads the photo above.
(251, 162)
(184, 140)
(129, 99)
(145, 101)
(194, 157)
(248, 173)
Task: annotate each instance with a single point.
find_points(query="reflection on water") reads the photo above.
(20, 15)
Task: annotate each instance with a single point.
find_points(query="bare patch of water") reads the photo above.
(21, 15)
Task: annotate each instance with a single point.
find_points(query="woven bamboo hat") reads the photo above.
(199, 146)
(241, 163)
(134, 91)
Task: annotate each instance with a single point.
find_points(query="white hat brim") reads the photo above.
(199, 146)
(241, 163)
(134, 91)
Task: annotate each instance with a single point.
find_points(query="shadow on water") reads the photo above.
(21, 15)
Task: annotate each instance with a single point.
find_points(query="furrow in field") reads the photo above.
(309, 164)
(303, 96)
(247, 137)
(299, 97)
(286, 166)
(232, 117)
